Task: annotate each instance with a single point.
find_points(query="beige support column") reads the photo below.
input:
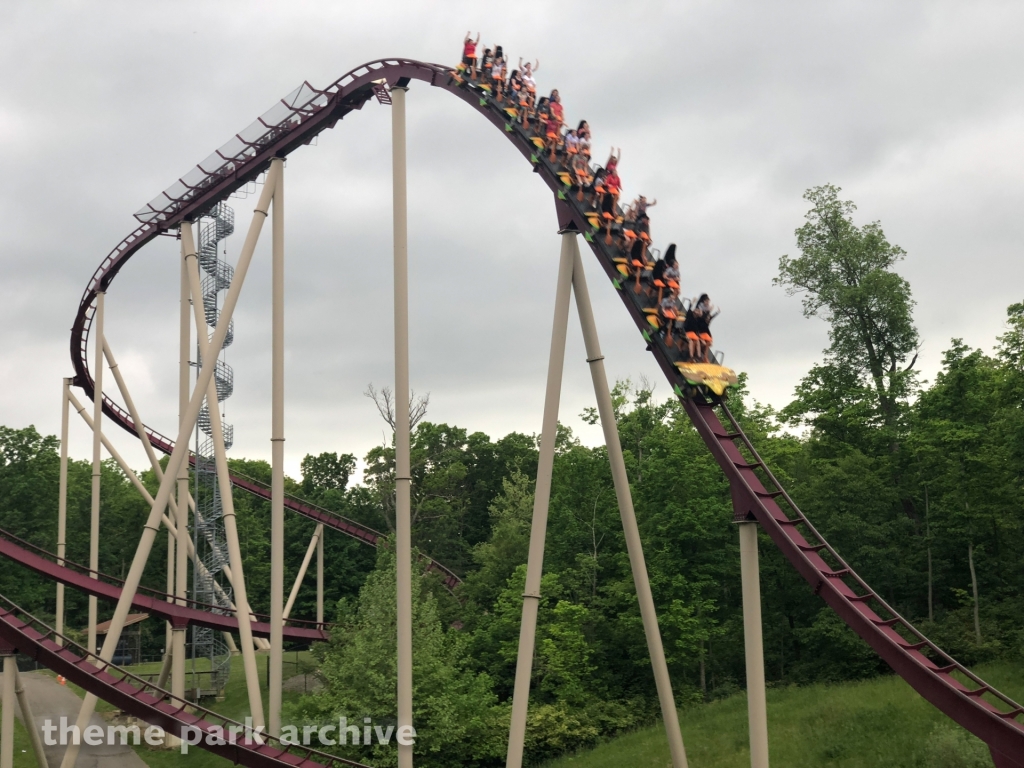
(320, 580)
(165, 667)
(209, 357)
(757, 706)
(62, 506)
(29, 719)
(403, 471)
(277, 458)
(178, 455)
(7, 713)
(183, 540)
(314, 544)
(97, 442)
(629, 525)
(170, 592)
(541, 497)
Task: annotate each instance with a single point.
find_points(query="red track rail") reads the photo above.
(151, 601)
(334, 522)
(145, 701)
(947, 685)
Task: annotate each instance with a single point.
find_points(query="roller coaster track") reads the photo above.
(21, 630)
(757, 494)
(148, 600)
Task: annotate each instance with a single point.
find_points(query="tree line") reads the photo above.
(916, 484)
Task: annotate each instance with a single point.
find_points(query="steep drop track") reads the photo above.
(756, 493)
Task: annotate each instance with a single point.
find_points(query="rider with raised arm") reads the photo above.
(469, 54)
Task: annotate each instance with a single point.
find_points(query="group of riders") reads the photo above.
(569, 150)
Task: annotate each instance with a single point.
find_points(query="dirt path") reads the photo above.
(51, 701)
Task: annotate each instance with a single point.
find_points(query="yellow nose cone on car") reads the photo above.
(717, 378)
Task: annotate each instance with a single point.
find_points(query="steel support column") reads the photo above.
(62, 505)
(277, 459)
(7, 713)
(29, 719)
(403, 471)
(97, 447)
(620, 479)
(178, 455)
(182, 539)
(541, 497)
(320, 581)
(757, 708)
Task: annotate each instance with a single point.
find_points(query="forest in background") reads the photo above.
(916, 484)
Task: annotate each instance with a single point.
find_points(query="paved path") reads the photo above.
(51, 701)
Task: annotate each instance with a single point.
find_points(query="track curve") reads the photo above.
(950, 687)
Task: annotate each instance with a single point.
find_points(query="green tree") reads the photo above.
(846, 276)
(458, 720)
(326, 472)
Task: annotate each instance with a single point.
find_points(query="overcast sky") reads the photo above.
(725, 112)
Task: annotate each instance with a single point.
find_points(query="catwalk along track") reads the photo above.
(757, 495)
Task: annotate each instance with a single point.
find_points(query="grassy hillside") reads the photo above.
(880, 723)
(873, 724)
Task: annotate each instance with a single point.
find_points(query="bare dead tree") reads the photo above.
(384, 399)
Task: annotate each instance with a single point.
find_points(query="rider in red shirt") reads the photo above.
(469, 54)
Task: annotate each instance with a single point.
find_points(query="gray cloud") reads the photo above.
(726, 112)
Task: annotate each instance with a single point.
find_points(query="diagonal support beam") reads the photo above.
(541, 498)
(572, 279)
(178, 455)
(315, 544)
(168, 523)
(620, 479)
(208, 357)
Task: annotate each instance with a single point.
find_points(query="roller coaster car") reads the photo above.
(715, 377)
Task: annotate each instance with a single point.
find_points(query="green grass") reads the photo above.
(870, 724)
(880, 723)
(234, 706)
(23, 755)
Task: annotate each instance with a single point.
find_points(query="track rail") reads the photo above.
(756, 493)
(151, 601)
(145, 701)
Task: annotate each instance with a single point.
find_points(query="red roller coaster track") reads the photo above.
(22, 631)
(756, 493)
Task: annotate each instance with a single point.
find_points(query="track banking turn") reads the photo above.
(294, 122)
